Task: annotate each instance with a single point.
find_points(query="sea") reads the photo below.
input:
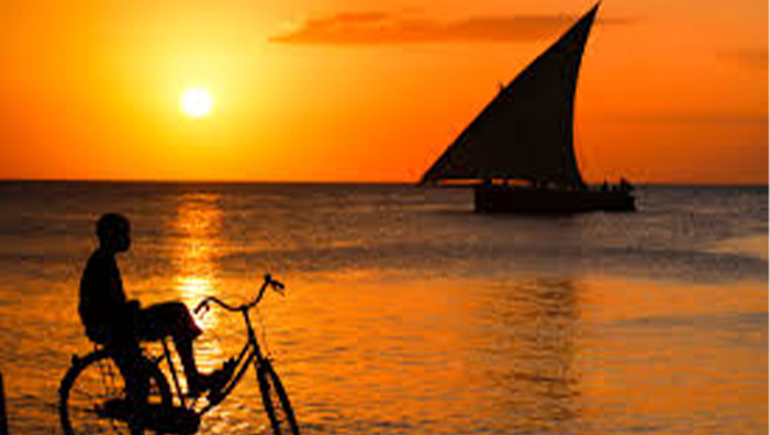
(407, 313)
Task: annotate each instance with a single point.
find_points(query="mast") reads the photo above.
(526, 131)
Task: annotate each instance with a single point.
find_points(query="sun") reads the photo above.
(196, 102)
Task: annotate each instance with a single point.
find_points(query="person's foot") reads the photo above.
(212, 382)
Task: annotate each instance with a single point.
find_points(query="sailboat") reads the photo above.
(518, 154)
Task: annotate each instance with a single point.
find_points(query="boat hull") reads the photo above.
(510, 199)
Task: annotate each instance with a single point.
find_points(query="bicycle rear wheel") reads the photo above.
(275, 400)
(93, 399)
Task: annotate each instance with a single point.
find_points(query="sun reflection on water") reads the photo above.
(199, 219)
(197, 226)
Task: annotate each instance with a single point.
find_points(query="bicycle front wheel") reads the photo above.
(275, 400)
(93, 398)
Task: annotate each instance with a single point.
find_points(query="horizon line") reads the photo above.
(337, 182)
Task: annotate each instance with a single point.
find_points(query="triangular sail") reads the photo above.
(526, 131)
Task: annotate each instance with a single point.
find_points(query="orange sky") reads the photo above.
(304, 90)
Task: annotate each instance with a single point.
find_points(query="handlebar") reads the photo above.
(276, 285)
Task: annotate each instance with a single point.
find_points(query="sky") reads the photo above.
(333, 90)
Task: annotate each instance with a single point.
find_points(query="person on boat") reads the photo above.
(625, 186)
(120, 324)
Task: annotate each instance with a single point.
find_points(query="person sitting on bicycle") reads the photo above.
(120, 324)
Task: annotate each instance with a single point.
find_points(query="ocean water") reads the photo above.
(406, 313)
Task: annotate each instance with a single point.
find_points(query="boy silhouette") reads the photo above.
(120, 324)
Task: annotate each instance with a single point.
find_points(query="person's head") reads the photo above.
(114, 232)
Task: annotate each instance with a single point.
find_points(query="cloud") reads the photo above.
(367, 28)
(751, 58)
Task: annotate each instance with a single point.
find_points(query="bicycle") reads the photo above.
(93, 396)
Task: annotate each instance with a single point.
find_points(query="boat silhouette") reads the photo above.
(518, 153)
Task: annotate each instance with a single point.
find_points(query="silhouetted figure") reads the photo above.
(625, 186)
(121, 324)
(605, 187)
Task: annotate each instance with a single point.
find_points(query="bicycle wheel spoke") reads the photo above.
(83, 409)
(86, 395)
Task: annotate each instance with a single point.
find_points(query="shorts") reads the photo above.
(153, 323)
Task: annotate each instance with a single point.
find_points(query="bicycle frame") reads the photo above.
(247, 355)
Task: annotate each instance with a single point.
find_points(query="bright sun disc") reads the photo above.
(196, 102)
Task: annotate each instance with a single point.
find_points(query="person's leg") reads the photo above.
(172, 319)
(184, 348)
(128, 357)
